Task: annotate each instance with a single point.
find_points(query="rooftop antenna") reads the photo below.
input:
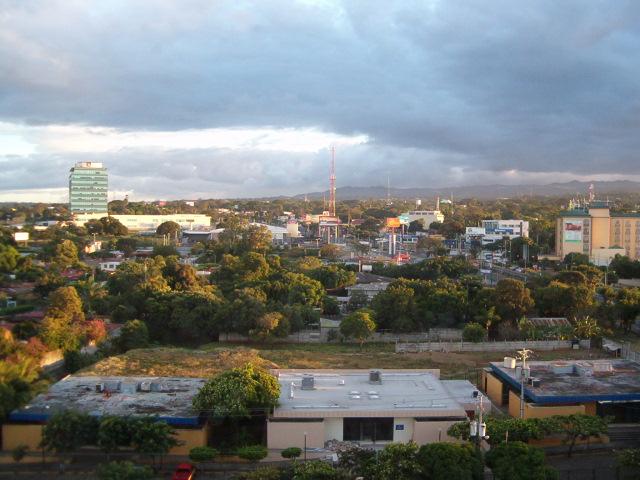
(523, 355)
(332, 183)
(592, 193)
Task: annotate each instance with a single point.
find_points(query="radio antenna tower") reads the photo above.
(332, 183)
(389, 202)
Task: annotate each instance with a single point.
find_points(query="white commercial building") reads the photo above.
(427, 216)
(367, 407)
(506, 228)
(188, 221)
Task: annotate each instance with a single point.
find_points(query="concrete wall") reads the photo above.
(494, 388)
(190, 438)
(405, 435)
(15, 435)
(482, 346)
(540, 411)
(282, 435)
(429, 432)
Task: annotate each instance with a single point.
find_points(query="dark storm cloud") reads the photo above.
(481, 86)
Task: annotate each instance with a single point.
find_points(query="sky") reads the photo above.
(213, 99)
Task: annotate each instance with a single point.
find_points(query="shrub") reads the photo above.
(473, 332)
(202, 454)
(253, 453)
(265, 473)
(124, 471)
(291, 452)
(19, 452)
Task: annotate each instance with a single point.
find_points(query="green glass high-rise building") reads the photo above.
(88, 188)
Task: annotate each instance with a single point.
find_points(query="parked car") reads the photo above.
(184, 471)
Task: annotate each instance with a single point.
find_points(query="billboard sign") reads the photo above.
(393, 222)
(404, 219)
(21, 236)
(572, 231)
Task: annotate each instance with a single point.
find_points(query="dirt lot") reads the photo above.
(213, 358)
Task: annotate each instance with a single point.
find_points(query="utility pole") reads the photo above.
(478, 428)
(523, 355)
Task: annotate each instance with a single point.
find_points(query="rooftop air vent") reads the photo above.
(308, 382)
(375, 377)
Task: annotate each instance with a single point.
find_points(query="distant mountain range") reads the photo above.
(483, 191)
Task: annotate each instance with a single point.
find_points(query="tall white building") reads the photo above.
(427, 216)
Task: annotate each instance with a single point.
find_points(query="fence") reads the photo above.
(486, 346)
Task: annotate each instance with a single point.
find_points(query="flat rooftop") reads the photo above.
(350, 393)
(168, 398)
(577, 381)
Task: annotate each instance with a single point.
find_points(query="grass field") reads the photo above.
(212, 358)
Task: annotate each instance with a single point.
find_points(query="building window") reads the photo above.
(368, 429)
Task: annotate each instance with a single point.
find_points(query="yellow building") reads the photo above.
(596, 231)
(187, 221)
(167, 399)
(595, 387)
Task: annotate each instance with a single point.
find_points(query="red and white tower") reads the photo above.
(332, 183)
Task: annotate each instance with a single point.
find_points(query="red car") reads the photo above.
(184, 471)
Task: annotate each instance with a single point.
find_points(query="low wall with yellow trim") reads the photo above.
(540, 411)
(494, 388)
(14, 435)
(190, 438)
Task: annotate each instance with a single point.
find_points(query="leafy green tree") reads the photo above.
(114, 433)
(357, 300)
(317, 470)
(165, 251)
(303, 290)
(358, 325)
(574, 259)
(580, 427)
(450, 461)
(134, 334)
(587, 327)
(152, 437)
(68, 430)
(518, 461)
(473, 332)
(394, 309)
(180, 276)
(112, 226)
(266, 324)
(169, 228)
(238, 392)
(66, 254)
(629, 457)
(330, 305)
(333, 276)
(124, 471)
(330, 251)
(62, 326)
(398, 461)
(513, 299)
(9, 257)
(256, 238)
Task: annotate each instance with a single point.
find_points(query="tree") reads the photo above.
(68, 430)
(9, 257)
(330, 251)
(394, 308)
(574, 259)
(152, 437)
(237, 392)
(266, 324)
(587, 327)
(473, 332)
(330, 305)
(256, 238)
(65, 302)
(357, 300)
(112, 226)
(450, 461)
(134, 334)
(317, 470)
(397, 461)
(171, 229)
(62, 326)
(580, 427)
(513, 299)
(66, 254)
(518, 461)
(114, 432)
(358, 325)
